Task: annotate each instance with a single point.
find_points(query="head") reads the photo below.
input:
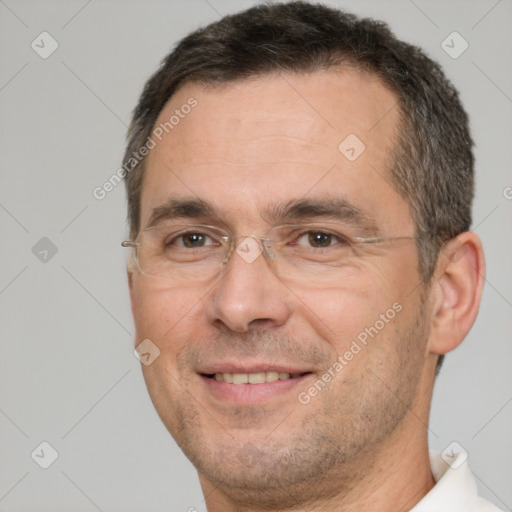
(272, 96)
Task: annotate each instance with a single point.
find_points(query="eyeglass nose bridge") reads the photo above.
(250, 249)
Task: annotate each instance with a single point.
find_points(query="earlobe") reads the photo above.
(458, 284)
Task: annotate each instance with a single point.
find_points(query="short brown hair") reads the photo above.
(431, 166)
(432, 162)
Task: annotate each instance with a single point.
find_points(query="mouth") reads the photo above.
(257, 386)
(253, 378)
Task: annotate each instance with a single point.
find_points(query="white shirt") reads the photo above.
(455, 489)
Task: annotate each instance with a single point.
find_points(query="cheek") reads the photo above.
(165, 316)
(339, 312)
(367, 308)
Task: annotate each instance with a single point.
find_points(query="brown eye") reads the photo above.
(194, 240)
(319, 239)
(191, 240)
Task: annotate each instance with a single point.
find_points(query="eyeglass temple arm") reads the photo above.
(382, 239)
(129, 243)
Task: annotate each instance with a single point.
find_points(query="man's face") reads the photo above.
(248, 150)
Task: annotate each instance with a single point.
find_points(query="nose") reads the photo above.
(248, 294)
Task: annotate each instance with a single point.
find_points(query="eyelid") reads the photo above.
(337, 239)
(187, 228)
(288, 231)
(178, 240)
(303, 229)
(216, 235)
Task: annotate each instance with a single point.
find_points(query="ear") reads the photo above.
(457, 288)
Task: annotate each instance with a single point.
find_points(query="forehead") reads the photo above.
(275, 138)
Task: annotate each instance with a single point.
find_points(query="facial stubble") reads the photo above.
(285, 457)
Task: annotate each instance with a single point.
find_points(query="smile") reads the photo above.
(254, 378)
(252, 386)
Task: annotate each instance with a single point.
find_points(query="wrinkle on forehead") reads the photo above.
(274, 139)
(316, 108)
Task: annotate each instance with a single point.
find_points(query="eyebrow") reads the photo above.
(329, 209)
(186, 208)
(293, 211)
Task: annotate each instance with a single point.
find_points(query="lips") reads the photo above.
(251, 382)
(254, 378)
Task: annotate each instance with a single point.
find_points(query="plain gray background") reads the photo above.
(67, 372)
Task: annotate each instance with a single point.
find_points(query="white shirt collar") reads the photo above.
(455, 489)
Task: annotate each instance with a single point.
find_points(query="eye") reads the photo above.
(319, 239)
(192, 240)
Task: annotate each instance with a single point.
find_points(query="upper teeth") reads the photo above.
(251, 378)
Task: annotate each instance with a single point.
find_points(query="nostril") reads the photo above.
(259, 322)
